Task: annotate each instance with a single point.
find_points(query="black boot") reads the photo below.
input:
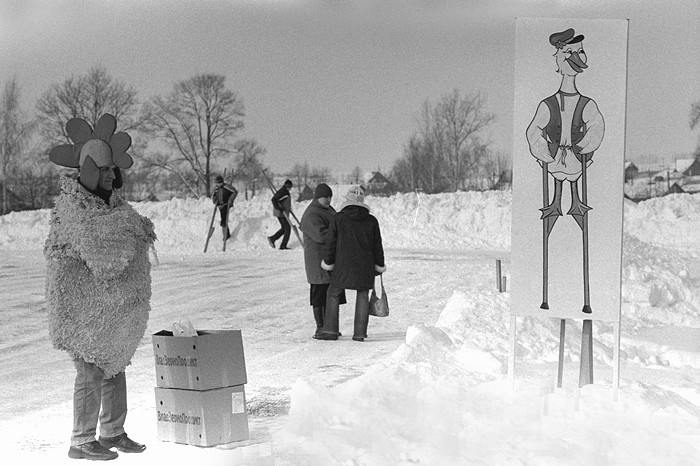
(318, 316)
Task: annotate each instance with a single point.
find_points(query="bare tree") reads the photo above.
(320, 175)
(301, 173)
(458, 120)
(356, 175)
(15, 132)
(695, 121)
(247, 165)
(446, 152)
(88, 97)
(498, 170)
(198, 121)
(695, 114)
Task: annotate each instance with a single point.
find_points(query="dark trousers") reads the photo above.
(330, 317)
(285, 231)
(92, 392)
(223, 210)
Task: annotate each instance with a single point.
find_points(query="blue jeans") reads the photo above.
(330, 316)
(92, 391)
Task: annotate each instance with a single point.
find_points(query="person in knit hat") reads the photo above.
(98, 283)
(281, 208)
(353, 255)
(314, 224)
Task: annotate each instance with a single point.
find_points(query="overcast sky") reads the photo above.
(339, 83)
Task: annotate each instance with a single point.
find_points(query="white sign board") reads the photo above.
(568, 167)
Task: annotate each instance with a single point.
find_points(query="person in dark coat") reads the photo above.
(314, 224)
(353, 255)
(281, 207)
(223, 196)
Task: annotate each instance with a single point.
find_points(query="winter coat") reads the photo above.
(281, 202)
(98, 282)
(224, 193)
(314, 225)
(353, 248)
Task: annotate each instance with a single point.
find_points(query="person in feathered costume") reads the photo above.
(98, 285)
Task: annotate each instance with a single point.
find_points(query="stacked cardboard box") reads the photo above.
(200, 395)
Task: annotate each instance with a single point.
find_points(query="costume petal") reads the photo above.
(105, 127)
(120, 142)
(66, 155)
(122, 159)
(79, 130)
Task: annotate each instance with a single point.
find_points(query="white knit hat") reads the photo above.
(355, 196)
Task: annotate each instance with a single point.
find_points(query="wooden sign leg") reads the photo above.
(586, 373)
(560, 368)
(498, 275)
(511, 355)
(616, 360)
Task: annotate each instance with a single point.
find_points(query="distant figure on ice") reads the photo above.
(565, 131)
(315, 223)
(98, 283)
(223, 196)
(354, 255)
(281, 208)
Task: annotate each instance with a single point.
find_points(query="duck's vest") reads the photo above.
(578, 127)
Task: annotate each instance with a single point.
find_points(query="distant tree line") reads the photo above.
(695, 122)
(179, 140)
(448, 151)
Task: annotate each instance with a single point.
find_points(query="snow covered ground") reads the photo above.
(428, 386)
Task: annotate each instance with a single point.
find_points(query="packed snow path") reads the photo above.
(262, 293)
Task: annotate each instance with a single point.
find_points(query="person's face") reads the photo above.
(106, 178)
(324, 201)
(571, 59)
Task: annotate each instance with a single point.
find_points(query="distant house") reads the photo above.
(631, 171)
(691, 184)
(687, 167)
(306, 194)
(379, 185)
(675, 189)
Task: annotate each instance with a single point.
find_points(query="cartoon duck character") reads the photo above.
(565, 132)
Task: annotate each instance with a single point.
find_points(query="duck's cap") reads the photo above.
(560, 39)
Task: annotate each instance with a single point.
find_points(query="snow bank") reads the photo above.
(445, 221)
(441, 398)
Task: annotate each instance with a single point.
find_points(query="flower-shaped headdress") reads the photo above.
(92, 150)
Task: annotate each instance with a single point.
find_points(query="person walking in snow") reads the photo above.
(281, 208)
(98, 283)
(315, 223)
(223, 196)
(354, 255)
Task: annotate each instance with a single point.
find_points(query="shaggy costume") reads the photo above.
(98, 297)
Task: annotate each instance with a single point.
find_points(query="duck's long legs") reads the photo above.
(579, 210)
(550, 213)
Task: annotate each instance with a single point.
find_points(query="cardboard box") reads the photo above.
(202, 417)
(212, 359)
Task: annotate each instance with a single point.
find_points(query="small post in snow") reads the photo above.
(499, 284)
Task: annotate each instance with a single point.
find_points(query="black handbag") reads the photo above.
(379, 305)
